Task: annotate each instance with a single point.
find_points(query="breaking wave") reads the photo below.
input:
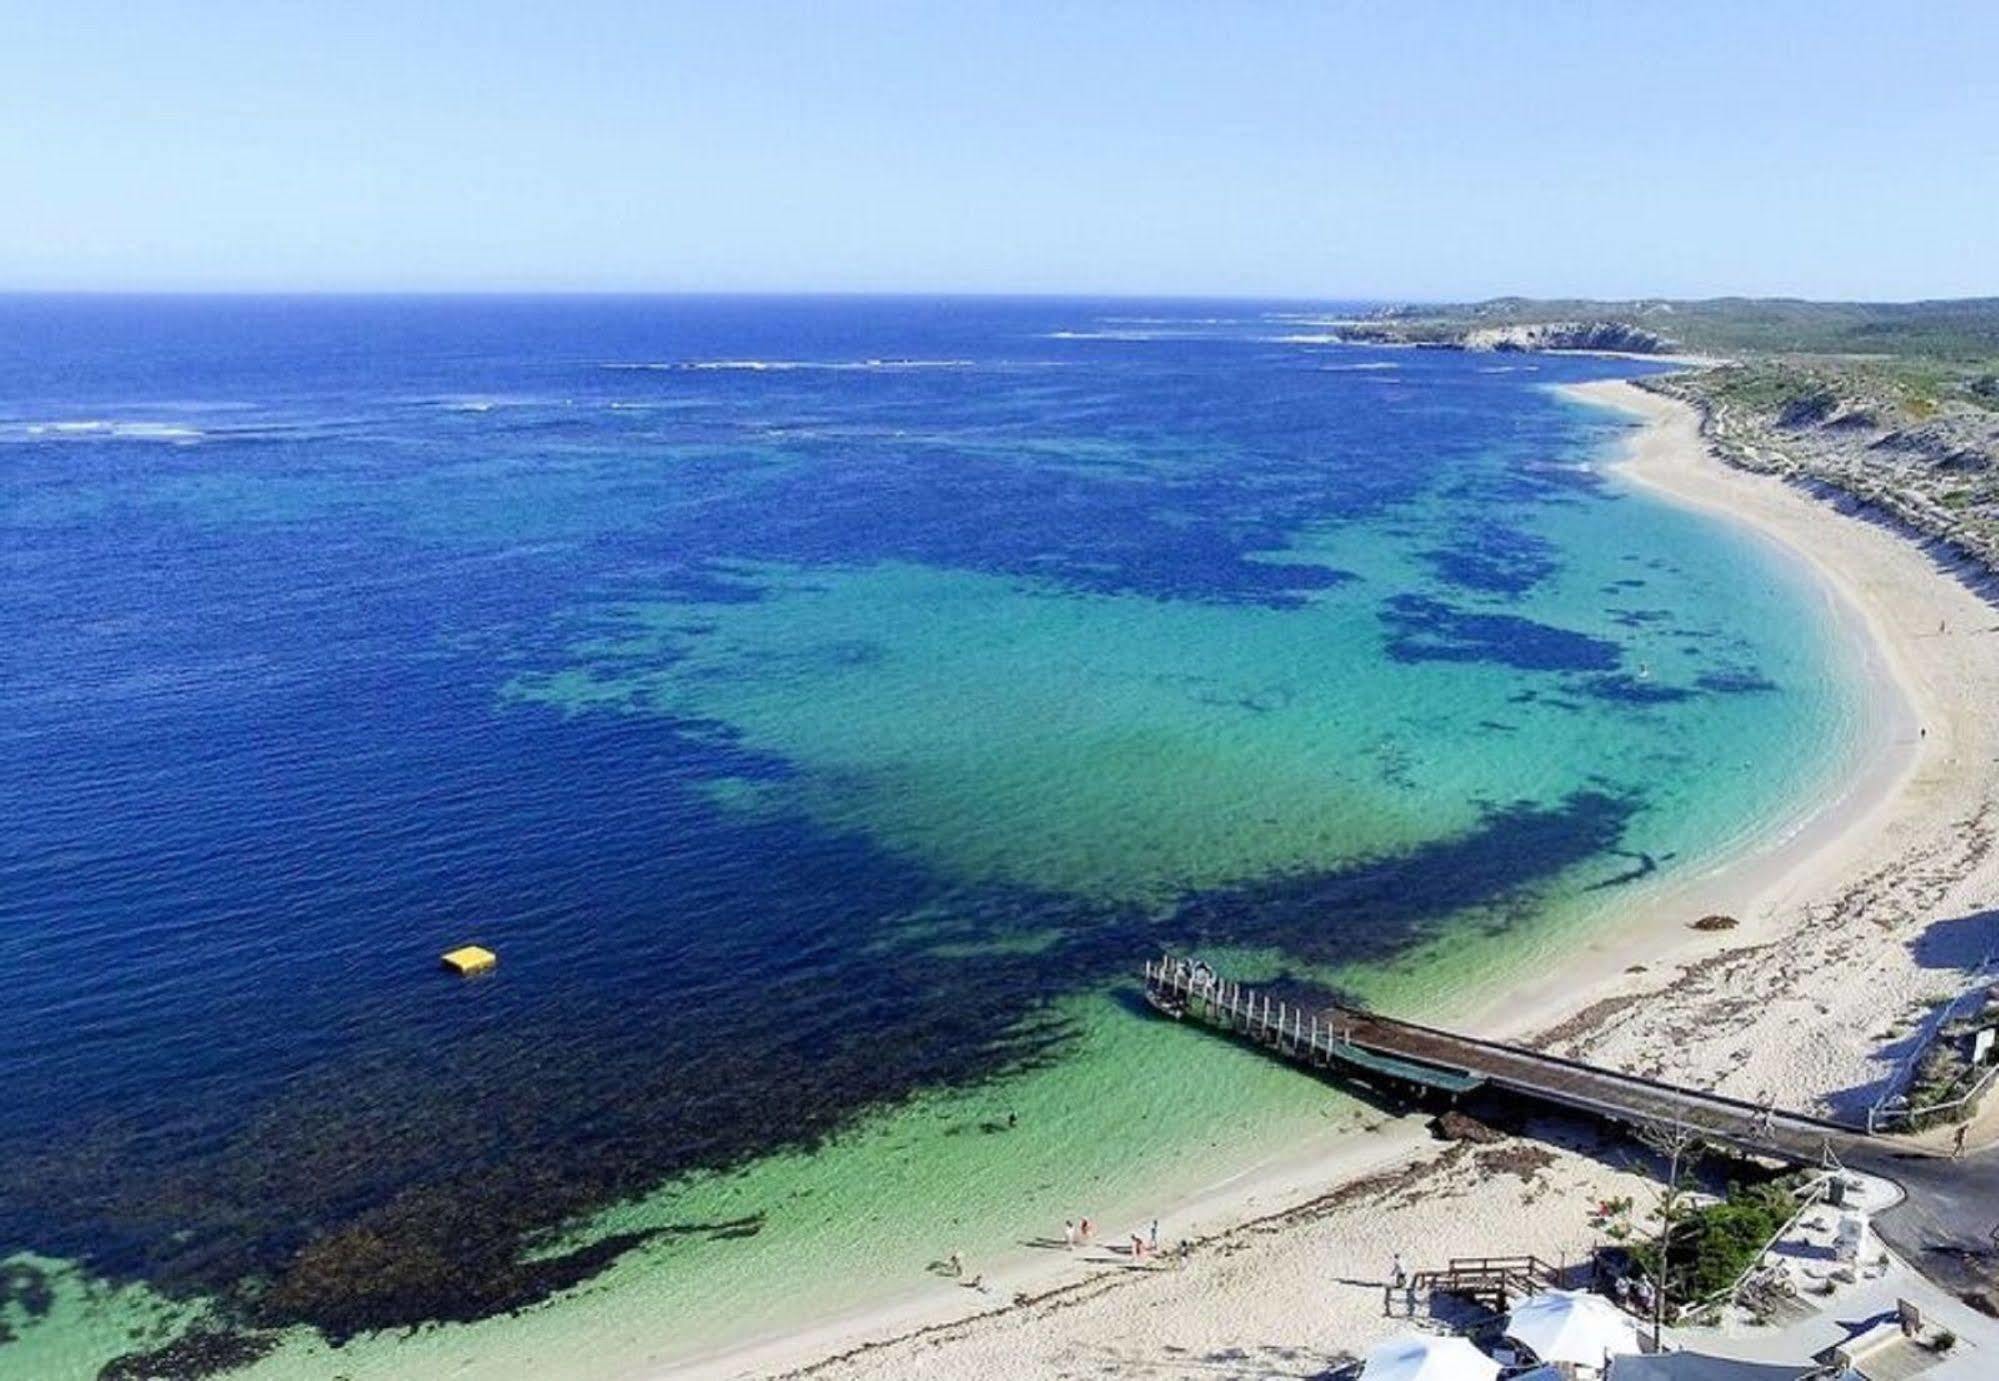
(101, 429)
(779, 366)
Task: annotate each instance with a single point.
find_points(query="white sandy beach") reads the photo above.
(1853, 920)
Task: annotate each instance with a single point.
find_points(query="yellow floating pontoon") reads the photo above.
(470, 959)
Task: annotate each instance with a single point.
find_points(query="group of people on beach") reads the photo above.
(1077, 1233)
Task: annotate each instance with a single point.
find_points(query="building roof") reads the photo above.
(1696, 1366)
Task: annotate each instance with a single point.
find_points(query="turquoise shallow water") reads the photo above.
(823, 708)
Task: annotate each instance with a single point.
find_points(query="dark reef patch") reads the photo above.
(1422, 629)
(1385, 905)
(24, 1289)
(1492, 558)
(201, 1352)
(1640, 618)
(1735, 682)
(1626, 689)
(1643, 865)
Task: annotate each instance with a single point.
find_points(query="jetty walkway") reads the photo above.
(1386, 1052)
(1947, 1225)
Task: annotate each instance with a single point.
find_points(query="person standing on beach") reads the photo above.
(1957, 1143)
(1397, 1275)
(958, 1265)
(1155, 1236)
(1069, 1233)
(1084, 1230)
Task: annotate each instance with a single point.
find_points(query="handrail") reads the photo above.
(1621, 1076)
(1881, 1113)
(1879, 1116)
(1177, 973)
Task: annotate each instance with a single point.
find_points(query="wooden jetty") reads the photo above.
(1372, 1049)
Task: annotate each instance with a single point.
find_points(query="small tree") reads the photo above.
(1679, 1146)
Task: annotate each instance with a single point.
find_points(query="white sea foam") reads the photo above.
(487, 402)
(1129, 335)
(1174, 320)
(1509, 369)
(101, 429)
(1354, 368)
(778, 366)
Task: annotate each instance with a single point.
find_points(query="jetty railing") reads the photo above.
(1320, 1038)
(1364, 1045)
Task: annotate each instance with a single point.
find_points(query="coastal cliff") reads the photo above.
(1570, 335)
(1930, 464)
(1614, 336)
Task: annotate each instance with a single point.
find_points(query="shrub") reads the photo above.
(1715, 1244)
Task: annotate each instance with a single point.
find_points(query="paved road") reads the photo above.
(1945, 1227)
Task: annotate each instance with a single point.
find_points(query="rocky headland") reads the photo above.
(1890, 406)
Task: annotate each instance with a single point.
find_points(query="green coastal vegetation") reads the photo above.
(1893, 403)
(1960, 330)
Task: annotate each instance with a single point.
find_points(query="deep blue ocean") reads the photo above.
(811, 700)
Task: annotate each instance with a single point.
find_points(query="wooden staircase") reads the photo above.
(1492, 1281)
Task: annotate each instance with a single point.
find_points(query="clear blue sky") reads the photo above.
(1396, 149)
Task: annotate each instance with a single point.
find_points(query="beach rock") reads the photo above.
(1716, 922)
(1457, 1126)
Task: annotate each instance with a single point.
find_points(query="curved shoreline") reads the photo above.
(1910, 792)
(1811, 845)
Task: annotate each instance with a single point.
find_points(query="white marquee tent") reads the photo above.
(1421, 1357)
(1573, 1326)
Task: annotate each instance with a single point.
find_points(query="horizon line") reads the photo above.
(969, 294)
